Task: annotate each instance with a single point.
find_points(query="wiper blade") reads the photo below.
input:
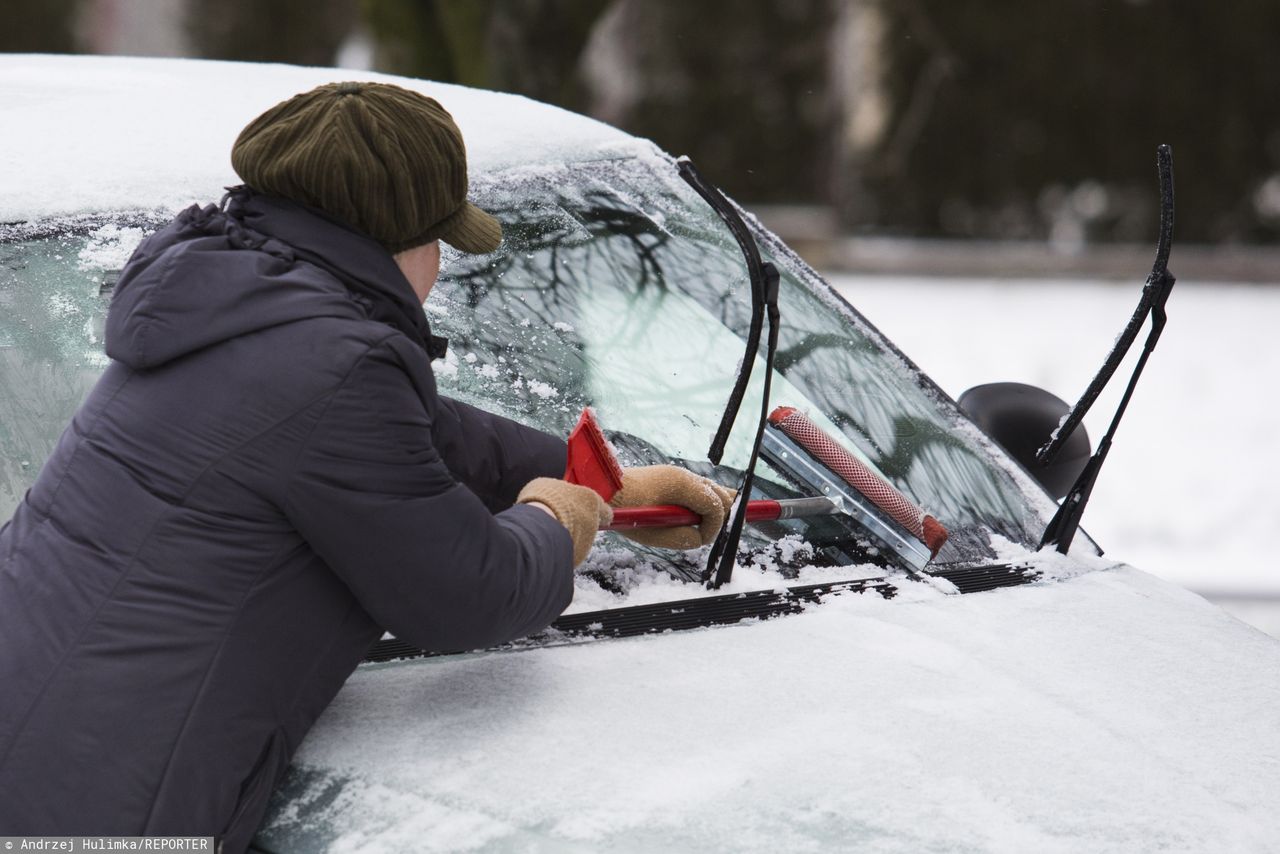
(764, 279)
(1155, 293)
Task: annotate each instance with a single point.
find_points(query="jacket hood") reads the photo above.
(216, 273)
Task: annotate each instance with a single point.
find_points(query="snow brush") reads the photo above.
(884, 518)
(902, 510)
(593, 464)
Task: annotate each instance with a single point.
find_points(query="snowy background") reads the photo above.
(1187, 492)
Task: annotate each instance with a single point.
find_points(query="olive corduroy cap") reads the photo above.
(386, 160)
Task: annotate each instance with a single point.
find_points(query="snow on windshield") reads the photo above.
(108, 247)
(615, 575)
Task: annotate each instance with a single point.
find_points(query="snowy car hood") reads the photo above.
(83, 134)
(1104, 711)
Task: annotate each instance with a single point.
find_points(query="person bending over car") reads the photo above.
(266, 478)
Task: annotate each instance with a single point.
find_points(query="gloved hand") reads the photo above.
(578, 508)
(674, 485)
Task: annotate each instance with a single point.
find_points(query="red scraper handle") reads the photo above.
(760, 510)
(668, 516)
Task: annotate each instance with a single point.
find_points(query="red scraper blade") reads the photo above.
(591, 461)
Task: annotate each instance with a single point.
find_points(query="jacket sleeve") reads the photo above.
(494, 456)
(422, 554)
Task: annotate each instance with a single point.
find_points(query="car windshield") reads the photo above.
(616, 287)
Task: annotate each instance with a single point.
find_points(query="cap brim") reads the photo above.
(473, 231)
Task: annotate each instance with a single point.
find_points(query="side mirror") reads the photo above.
(1021, 418)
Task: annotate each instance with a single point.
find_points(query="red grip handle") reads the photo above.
(854, 472)
(674, 516)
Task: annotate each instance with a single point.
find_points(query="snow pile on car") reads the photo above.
(73, 138)
(1108, 711)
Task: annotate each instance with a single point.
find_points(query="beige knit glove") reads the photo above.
(578, 508)
(674, 485)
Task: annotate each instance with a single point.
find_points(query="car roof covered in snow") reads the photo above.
(80, 134)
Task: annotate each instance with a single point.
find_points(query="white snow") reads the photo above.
(83, 134)
(541, 389)
(1109, 711)
(1189, 490)
(109, 247)
(647, 582)
(446, 367)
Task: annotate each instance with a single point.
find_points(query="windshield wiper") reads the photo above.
(763, 277)
(1155, 293)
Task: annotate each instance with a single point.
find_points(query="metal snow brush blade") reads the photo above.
(593, 464)
(798, 448)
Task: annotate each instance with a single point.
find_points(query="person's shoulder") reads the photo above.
(334, 347)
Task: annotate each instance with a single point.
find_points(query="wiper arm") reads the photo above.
(1155, 293)
(764, 280)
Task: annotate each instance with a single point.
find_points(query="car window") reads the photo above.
(616, 286)
(54, 288)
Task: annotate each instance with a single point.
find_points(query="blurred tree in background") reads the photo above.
(1042, 117)
(910, 117)
(39, 26)
(530, 47)
(306, 33)
(738, 85)
(750, 100)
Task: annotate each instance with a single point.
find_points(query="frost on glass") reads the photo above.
(619, 288)
(52, 308)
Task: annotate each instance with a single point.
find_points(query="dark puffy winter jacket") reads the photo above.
(262, 481)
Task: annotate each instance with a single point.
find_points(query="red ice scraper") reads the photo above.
(593, 464)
